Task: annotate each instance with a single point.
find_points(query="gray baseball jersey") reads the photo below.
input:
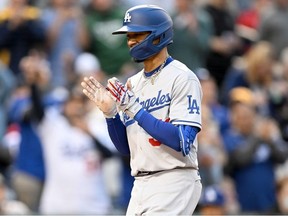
(173, 95)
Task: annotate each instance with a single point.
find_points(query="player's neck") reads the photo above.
(155, 61)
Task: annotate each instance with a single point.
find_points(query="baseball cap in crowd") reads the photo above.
(87, 64)
(241, 95)
(247, 25)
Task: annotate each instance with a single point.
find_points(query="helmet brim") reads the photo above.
(125, 29)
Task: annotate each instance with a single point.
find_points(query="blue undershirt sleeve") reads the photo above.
(164, 132)
(117, 133)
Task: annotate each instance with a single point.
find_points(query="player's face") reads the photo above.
(134, 38)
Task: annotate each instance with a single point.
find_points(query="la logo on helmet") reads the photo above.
(127, 17)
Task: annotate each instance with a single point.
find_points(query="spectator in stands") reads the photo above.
(117, 169)
(102, 17)
(274, 28)
(193, 29)
(21, 30)
(74, 155)
(254, 145)
(28, 171)
(255, 72)
(224, 42)
(248, 22)
(66, 38)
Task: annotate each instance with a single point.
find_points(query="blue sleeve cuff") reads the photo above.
(137, 117)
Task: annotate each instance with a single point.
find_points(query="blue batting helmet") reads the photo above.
(148, 18)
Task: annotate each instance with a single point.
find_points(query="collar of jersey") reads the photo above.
(149, 74)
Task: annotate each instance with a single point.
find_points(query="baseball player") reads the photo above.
(154, 117)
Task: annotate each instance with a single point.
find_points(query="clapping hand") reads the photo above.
(99, 95)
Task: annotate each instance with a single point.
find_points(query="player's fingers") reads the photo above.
(89, 95)
(87, 87)
(89, 83)
(93, 92)
(95, 82)
(91, 87)
(94, 96)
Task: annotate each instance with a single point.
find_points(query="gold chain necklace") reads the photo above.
(154, 75)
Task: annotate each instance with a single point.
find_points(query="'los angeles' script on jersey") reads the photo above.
(160, 101)
(157, 102)
(151, 104)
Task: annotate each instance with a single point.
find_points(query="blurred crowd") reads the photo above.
(56, 156)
